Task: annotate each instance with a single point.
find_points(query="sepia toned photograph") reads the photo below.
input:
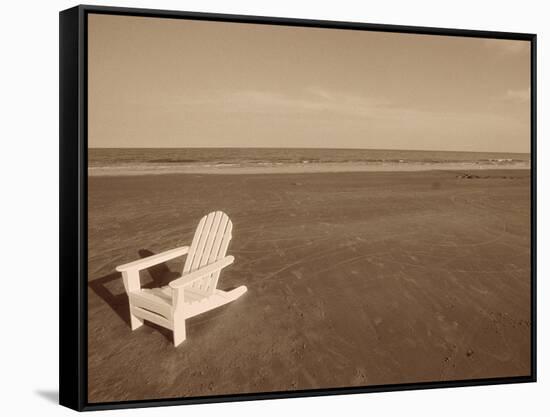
(280, 208)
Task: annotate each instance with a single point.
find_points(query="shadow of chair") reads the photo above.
(160, 276)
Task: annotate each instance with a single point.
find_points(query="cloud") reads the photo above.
(507, 47)
(314, 101)
(325, 106)
(521, 95)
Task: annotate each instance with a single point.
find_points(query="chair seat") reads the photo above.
(159, 300)
(164, 295)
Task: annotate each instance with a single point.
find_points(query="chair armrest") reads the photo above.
(202, 272)
(153, 259)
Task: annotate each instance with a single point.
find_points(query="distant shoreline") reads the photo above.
(236, 169)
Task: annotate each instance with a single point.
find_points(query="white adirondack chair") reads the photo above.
(195, 291)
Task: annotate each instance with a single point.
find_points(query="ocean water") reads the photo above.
(273, 157)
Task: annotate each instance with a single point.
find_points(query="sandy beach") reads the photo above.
(354, 279)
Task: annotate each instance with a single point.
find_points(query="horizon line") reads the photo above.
(297, 147)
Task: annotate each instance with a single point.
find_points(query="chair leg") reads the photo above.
(135, 321)
(179, 332)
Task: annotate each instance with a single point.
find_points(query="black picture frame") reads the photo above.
(73, 203)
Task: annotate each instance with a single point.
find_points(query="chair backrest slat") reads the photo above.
(209, 244)
(199, 251)
(224, 244)
(213, 236)
(194, 244)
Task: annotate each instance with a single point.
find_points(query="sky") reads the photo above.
(157, 82)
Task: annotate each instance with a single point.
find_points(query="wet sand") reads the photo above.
(299, 168)
(354, 279)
